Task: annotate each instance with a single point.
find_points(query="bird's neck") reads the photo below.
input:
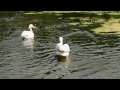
(61, 42)
(31, 29)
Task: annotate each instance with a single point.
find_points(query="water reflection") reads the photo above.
(64, 61)
(28, 43)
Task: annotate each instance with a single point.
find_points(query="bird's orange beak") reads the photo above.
(35, 27)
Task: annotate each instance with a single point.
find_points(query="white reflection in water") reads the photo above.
(28, 43)
(64, 61)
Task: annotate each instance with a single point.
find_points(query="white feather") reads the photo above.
(62, 49)
(27, 35)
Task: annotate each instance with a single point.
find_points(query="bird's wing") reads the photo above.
(24, 33)
(66, 48)
(27, 34)
(60, 48)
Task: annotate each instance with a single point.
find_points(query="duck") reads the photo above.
(28, 34)
(62, 49)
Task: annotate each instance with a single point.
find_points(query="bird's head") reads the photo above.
(61, 39)
(32, 26)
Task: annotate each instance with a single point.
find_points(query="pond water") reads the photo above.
(94, 55)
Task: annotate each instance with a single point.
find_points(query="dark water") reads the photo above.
(92, 56)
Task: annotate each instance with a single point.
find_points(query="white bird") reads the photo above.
(62, 49)
(28, 34)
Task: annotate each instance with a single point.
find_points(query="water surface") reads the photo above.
(93, 55)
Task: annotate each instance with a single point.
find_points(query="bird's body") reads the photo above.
(28, 34)
(62, 49)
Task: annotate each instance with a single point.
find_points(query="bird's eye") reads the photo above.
(35, 25)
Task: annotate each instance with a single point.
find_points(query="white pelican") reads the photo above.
(28, 34)
(62, 49)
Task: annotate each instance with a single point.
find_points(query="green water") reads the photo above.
(94, 55)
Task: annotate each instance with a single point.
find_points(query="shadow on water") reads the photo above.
(93, 54)
(61, 58)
